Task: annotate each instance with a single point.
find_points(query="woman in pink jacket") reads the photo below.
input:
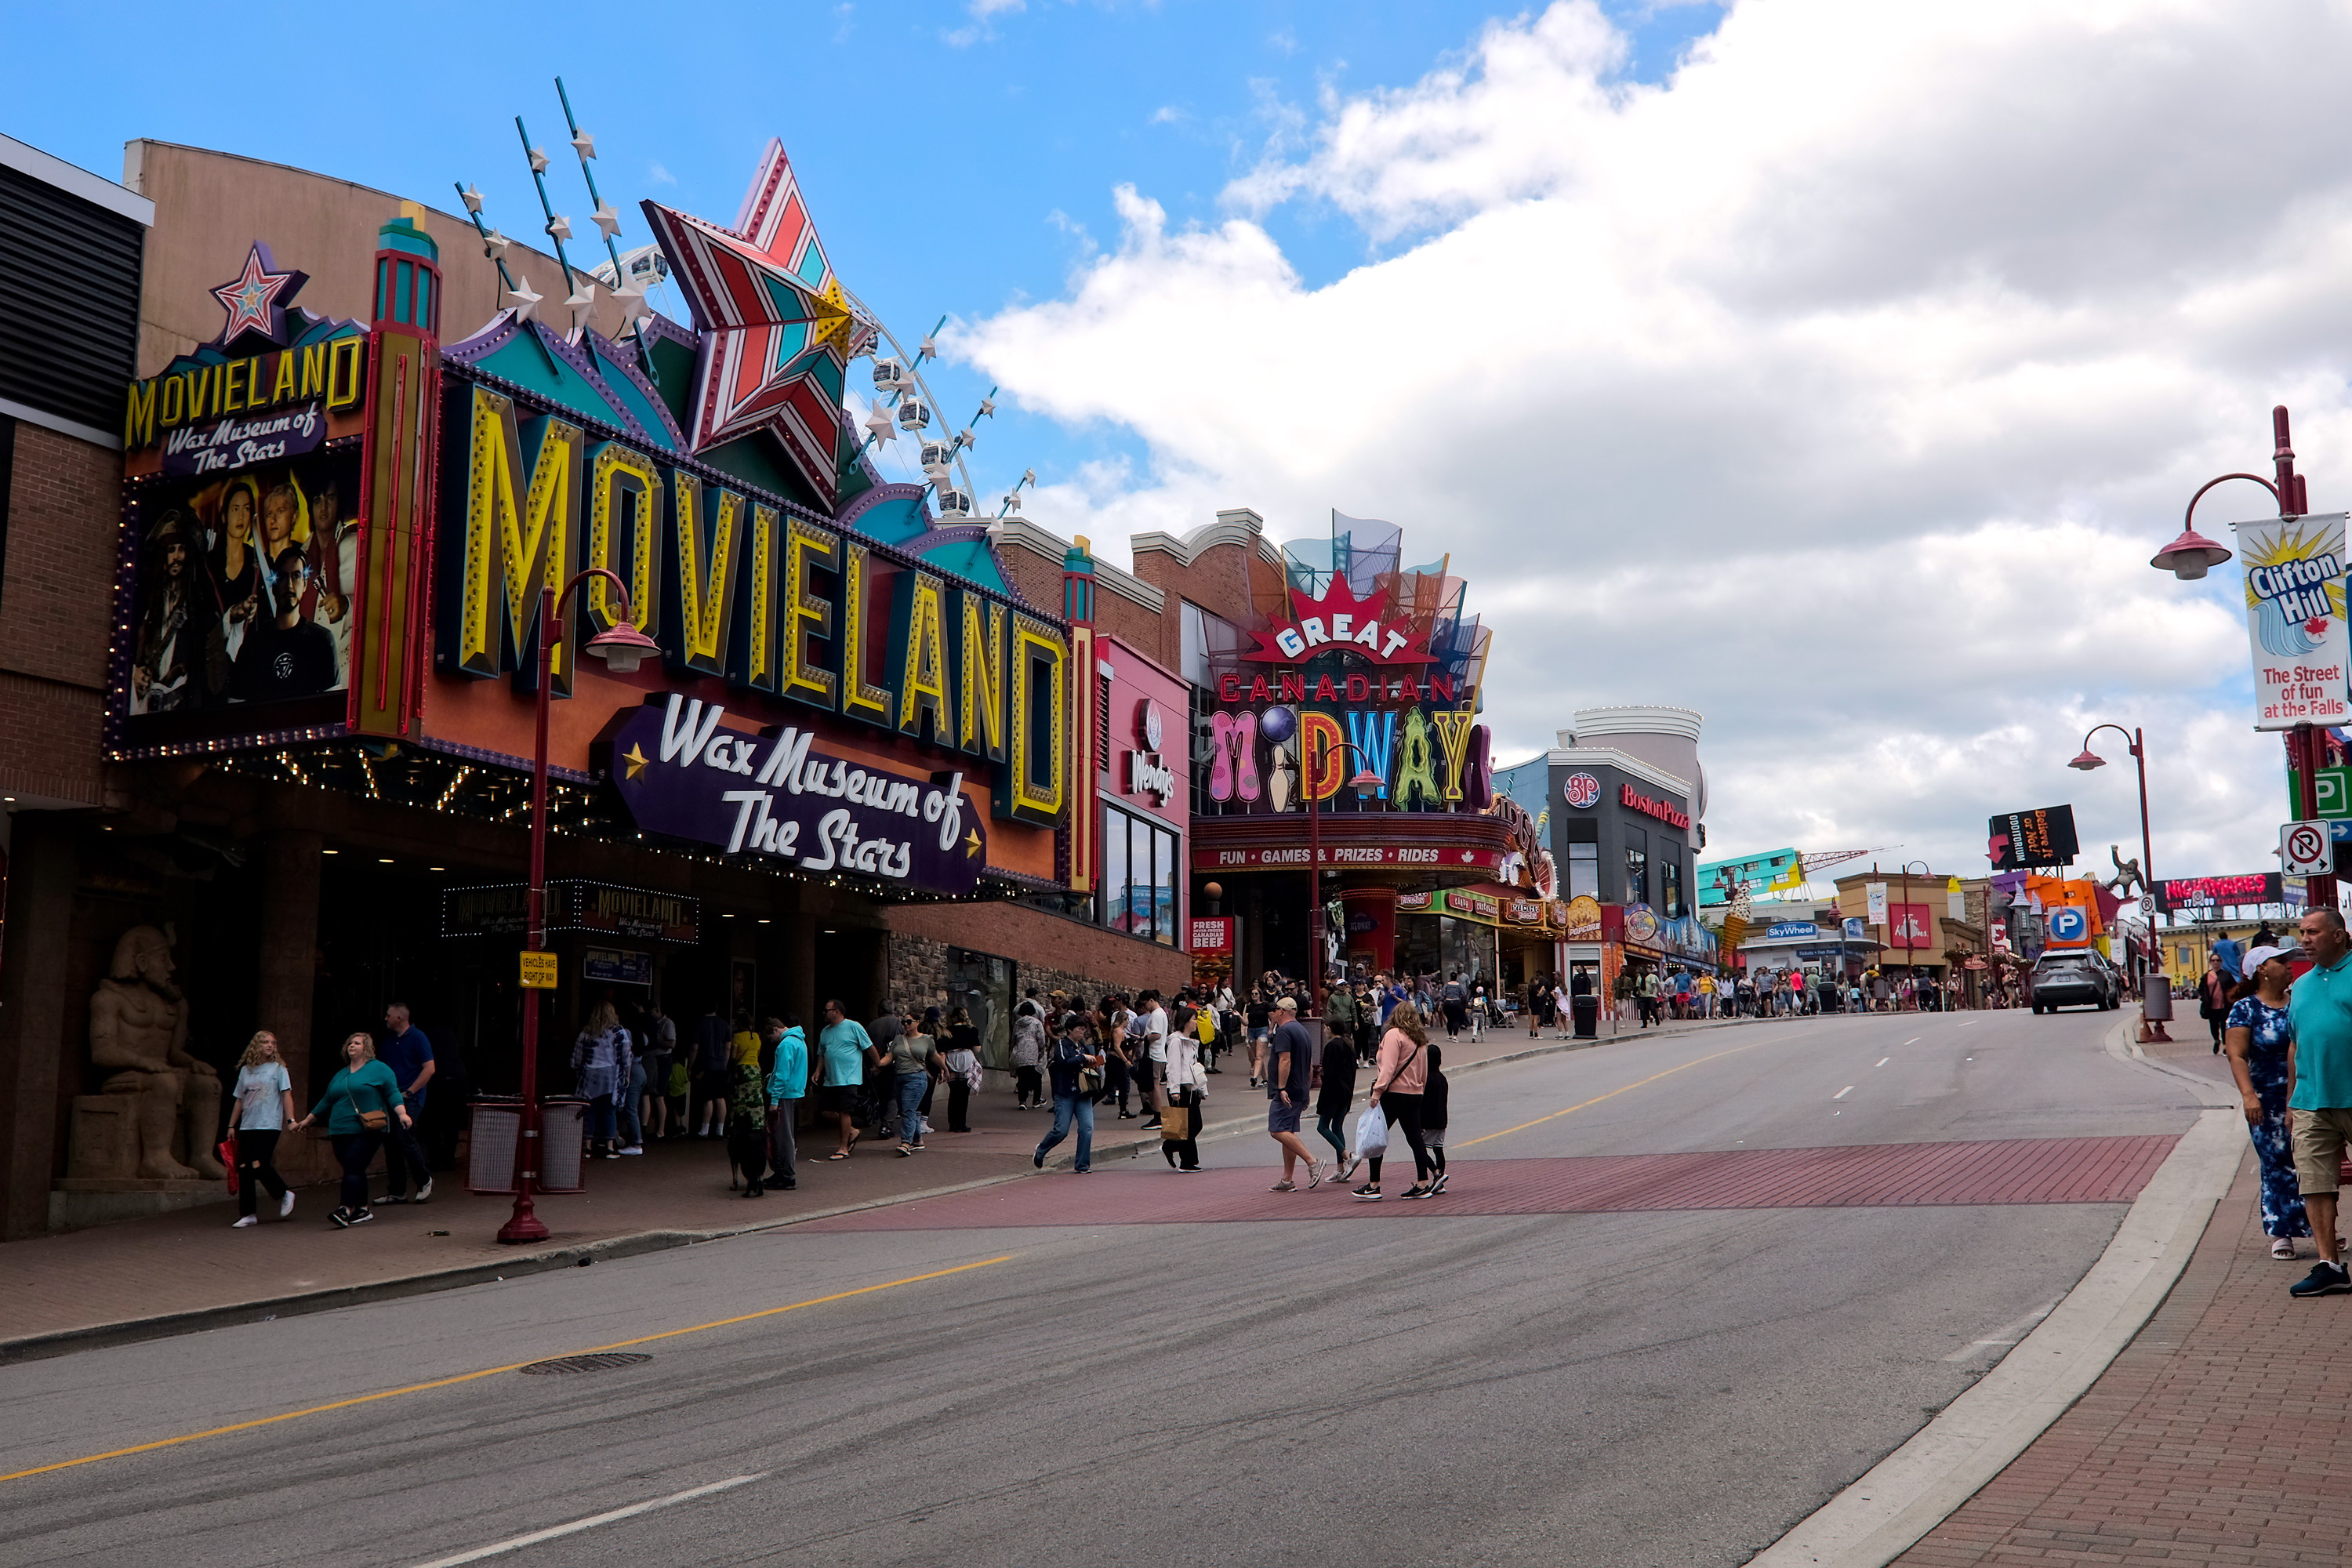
(1397, 1084)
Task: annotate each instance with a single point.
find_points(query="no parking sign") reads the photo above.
(2306, 849)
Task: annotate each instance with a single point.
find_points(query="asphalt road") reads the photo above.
(1665, 1388)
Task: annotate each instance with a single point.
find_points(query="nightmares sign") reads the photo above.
(781, 795)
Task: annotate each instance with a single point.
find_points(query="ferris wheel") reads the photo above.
(904, 403)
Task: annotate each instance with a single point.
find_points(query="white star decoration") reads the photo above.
(560, 226)
(537, 162)
(496, 242)
(606, 219)
(584, 145)
(582, 305)
(525, 302)
(634, 305)
(473, 198)
(878, 421)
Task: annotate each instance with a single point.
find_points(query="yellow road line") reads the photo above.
(488, 1372)
(1596, 1099)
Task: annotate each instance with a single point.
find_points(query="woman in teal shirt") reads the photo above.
(359, 1105)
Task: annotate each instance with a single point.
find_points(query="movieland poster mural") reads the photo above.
(2294, 619)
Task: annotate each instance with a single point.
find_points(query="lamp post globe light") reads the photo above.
(623, 648)
(2188, 558)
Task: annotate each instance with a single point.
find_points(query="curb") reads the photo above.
(1917, 1487)
(134, 1330)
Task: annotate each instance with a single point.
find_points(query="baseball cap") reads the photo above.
(1286, 1003)
(2257, 957)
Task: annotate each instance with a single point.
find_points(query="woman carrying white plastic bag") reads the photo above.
(1397, 1084)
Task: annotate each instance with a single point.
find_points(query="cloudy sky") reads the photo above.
(1838, 384)
(1830, 368)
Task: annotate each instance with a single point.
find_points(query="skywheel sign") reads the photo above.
(2294, 619)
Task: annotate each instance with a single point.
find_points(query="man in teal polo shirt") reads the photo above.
(2321, 1007)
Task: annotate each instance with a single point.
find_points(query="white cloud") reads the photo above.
(1839, 386)
(982, 12)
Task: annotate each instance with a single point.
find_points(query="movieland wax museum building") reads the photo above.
(359, 445)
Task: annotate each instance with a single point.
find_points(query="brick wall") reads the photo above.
(65, 508)
(1086, 961)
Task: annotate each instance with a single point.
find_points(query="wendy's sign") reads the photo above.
(780, 795)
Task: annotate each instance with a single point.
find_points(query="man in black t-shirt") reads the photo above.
(1289, 1079)
(289, 655)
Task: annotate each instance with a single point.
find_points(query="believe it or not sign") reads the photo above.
(784, 798)
(1257, 857)
(1210, 933)
(2017, 840)
(2294, 619)
(538, 970)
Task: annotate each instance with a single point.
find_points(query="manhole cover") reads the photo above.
(601, 1362)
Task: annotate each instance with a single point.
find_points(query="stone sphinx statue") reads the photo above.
(138, 1035)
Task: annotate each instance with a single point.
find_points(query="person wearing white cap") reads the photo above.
(2260, 1038)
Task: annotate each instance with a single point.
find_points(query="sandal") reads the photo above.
(838, 1154)
(2282, 1248)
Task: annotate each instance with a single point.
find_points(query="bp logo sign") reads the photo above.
(2067, 923)
(1582, 791)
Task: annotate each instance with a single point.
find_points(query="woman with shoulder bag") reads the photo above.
(360, 1102)
(1397, 1084)
(1186, 1087)
(2215, 996)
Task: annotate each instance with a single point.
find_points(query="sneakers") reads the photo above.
(2326, 1278)
(627, 1148)
(359, 1217)
(1313, 1174)
(1438, 1185)
(1347, 1170)
(286, 1204)
(341, 1219)
(1284, 1187)
(1038, 1159)
(244, 1221)
(426, 1191)
(394, 1198)
(1370, 1191)
(1417, 1191)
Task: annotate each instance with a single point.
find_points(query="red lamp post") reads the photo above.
(622, 647)
(1364, 784)
(2088, 758)
(2192, 554)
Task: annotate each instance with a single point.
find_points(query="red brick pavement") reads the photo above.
(2005, 1170)
(2219, 1435)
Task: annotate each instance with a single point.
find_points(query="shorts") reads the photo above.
(1281, 1116)
(2320, 1137)
(1261, 1035)
(1434, 1137)
(843, 1098)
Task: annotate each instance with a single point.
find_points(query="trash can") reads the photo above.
(1586, 1011)
(490, 1163)
(2156, 997)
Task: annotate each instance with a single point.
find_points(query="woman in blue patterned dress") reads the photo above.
(2259, 1039)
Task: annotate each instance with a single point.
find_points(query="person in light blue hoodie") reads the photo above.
(787, 1083)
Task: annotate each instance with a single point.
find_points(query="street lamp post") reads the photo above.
(1365, 782)
(2191, 555)
(1910, 961)
(2088, 758)
(623, 648)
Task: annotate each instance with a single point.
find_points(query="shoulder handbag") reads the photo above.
(376, 1121)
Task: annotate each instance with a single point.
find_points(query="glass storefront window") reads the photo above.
(1670, 884)
(1114, 870)
(1141, 863)
(1637, 867)
(1584, 871)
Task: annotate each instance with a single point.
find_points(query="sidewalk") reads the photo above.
(188, 1269)
(2217, 1436)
